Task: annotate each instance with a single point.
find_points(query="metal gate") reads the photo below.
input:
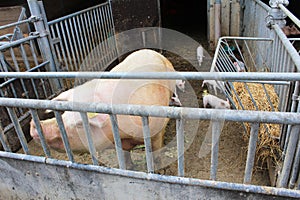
(46, 177)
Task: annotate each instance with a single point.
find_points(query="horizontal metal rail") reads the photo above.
(75, 14)
(249, 76)
(16, 23)
(157, 111)
(17, 42)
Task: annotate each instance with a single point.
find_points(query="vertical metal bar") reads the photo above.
(84, 35)
(27, 65)
(71, 44)
(107, 32)
(287, 164)
(103, 42)
(39, 129)
(104, 31)
(251, 152)
(77, 60)
(3, 140)
(180, 146)
(216, 132)
(296, 165)
(64, 136)
(61, 47)
(148, 147)
(93, 36)
(43, 41)
(18, 129)
(77, 37)
(36, 63)
(293, 109)
(118, 143)
(99, 44)
(88, 134)
(57, 44)
(87, 24)
(66, 45)
(114, 33)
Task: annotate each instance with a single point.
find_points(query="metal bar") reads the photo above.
(289, 47)
(76, 13)
(118, 143)
(39, 129)
(295, 169)
(78, 39)
(71, 42)
(88, 133)
(293, 109)
(291, 148)
(3, 140)
(15, 23)
(289, 14)
(65, 45)
(148, 147)
(18, 129)
(216, 132)
(64, 136)
(180, 146)
(17, 42)
(43, 41)
(251, 152)
(158, 111)
(75, 40)
(254, 76)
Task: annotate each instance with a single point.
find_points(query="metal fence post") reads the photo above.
(43, 41)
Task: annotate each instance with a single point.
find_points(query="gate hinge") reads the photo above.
(34, 18)
(274, 3)
(295, 97)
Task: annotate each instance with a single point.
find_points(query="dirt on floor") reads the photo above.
(197, 156)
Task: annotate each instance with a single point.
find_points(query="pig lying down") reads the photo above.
(114, 91)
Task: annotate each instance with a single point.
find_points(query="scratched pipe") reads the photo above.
(255, 76)
(157, 111)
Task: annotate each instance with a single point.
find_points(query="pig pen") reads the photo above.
(198, 175)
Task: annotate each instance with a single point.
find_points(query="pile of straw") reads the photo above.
(267, 144)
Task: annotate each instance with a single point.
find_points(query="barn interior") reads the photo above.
(186, 17)
(189, 18)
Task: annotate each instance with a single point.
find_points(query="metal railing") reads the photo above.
(75, 36)
(254, 117)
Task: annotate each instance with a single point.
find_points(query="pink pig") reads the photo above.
(123, 91)
(215, 102)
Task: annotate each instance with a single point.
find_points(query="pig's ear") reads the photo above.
(97, 119)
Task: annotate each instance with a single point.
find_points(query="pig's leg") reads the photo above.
(204, 102)
(127, 146)
(157, 144)
(215, 89)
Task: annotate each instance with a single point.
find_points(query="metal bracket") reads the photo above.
(295, 97)
(275, 14)
(274, 3)
(34, 18)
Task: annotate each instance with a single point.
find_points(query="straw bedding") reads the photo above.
(267, 144)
